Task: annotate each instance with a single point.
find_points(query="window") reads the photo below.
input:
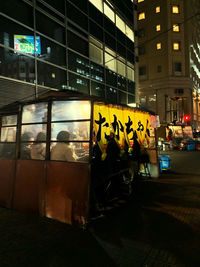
(33, 131)
(54, 30)
(109, 12)
(130, 74)
(96, 54)
(175, 9)
(158, 46)
(129, 33)
(97, 89)
(120, 24)
(52, 52)
(71, 135)
(121, 69)
(142, 71)
(78, 44)
(141, 33)
(50, 76)
(98, 4)
(176, 46)
(177, 68)
(179, 91)
(110, 59)
(15, 11)
(141, 16)
(158, 9)
(8, 136)
(141, 50)
(159, 68)
(158, 27)
(176, 28)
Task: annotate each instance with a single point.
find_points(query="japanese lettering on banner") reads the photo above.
(123, 122)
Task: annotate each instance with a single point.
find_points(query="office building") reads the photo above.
(82, 46)
(169, 61)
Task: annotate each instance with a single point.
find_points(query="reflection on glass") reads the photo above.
(77, 130)
(30, 132)
(52, 52)
(7, 151)
(16, 65)
(62, 151)
(51, 76)
(35, 113)
(8, 134)
(9, 120)
(70, 110)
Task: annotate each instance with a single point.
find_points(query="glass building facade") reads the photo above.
(83, 46)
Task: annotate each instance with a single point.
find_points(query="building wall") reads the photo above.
(86, 46)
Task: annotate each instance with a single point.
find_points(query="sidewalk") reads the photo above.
(160, 226)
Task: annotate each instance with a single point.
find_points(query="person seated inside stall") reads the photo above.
(62, 150)
(26, 138)
(38, 149)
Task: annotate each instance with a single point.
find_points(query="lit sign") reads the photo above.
(123, 122)
(25, 44)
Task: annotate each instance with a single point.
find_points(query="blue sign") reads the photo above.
(26, 44)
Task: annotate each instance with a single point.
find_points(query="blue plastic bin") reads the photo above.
(191, 147)
(165, 162)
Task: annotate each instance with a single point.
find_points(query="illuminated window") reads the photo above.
(175, 9)
(158, 9)
(176, 28)
(96, 54)
(120, 24)
(110, 59)
(129, 33)
(109, 12)
(98, 4)
(141, 16)
(121, 68)
(130, 71)
(158, 27)
(176, 46)
(139, 1)
(158, 46)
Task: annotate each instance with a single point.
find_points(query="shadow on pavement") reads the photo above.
(31, 241)
(160, 216)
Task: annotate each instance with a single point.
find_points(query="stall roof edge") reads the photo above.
(63, 95)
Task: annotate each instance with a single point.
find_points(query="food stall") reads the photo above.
(37, 176)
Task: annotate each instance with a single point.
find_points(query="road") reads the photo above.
(184, 162)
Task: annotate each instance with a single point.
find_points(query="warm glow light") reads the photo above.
(141, 16)
(176, 28)
(176, 46)
(158, 46)
(175, 9)
(133, 105)
(158, 27)
(158, 9)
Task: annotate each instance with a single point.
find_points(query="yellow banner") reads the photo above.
(123, 122)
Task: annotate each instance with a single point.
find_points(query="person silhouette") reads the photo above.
(62, 151)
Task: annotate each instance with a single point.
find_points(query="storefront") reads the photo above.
(46, 151)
